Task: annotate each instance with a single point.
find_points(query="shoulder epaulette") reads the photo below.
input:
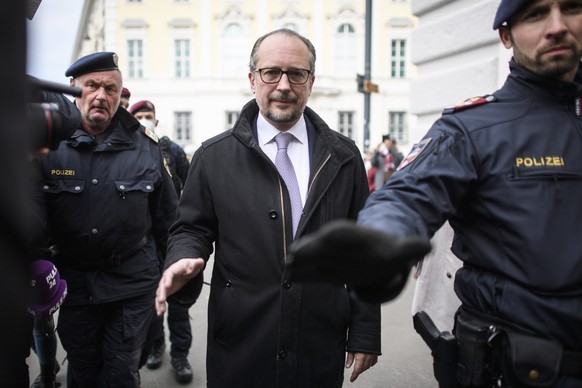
(469, 103)
(149, 133)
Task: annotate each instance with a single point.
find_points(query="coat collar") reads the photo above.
(322, 139)
(123, 124)
(552, 88)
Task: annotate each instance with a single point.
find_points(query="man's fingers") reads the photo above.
(349, 360)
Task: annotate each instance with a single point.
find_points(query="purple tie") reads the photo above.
(287, 172)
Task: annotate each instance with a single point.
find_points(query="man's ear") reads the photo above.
(505, 37)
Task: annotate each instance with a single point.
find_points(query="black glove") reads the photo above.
(374, 264)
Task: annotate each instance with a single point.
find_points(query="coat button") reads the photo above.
(228, 283)
(282, 354)
(94, 181)
(273, 215)
(287, 284)
(94, 231)
(534, 375)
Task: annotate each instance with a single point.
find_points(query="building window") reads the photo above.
(231, 117)
(234, 55)
(345, 52)
(183, 125)
(346, 123)
(134, 1)
(182, 58)
(398, 58)
(397, 126)
(135, 58)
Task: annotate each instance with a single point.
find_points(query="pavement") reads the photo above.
(405, 363)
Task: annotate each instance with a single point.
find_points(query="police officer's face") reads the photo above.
(282, 103)
(100, 98)
(546, 37)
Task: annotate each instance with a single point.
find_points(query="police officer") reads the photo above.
(108, 203)
(178, 317)
(175, 157)
(506, 171)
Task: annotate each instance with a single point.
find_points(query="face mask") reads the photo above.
(148, 124)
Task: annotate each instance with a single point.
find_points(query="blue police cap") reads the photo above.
(506, 10)
(91, 63)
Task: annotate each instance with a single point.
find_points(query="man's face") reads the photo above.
(546, 37)
(151, 116)
(282, 103)
(100, 98)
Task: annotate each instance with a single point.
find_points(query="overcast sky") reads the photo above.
(51, 36)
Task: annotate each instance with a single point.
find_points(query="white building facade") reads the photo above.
(190, 58)
(457, 55)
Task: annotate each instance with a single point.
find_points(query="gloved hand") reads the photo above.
(374, 264)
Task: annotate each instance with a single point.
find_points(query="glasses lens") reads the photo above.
(297, 76)
(271, 75)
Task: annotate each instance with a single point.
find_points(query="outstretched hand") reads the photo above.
(373, 263)
(174, 278)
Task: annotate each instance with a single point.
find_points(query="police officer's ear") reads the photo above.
(505, 36)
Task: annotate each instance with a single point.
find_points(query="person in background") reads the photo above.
(107, 202)
(178, 318)
(125, 95)
(247, 196)
(397, 156)
(385, 160)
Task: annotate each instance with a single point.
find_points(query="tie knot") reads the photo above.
(282, 139)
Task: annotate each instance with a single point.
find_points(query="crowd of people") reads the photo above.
(125, 224)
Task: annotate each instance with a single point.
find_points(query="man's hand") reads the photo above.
(174, 278)
(363, 362)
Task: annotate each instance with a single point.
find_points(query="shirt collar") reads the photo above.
(267, 132)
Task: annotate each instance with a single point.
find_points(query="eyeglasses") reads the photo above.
(273, 75)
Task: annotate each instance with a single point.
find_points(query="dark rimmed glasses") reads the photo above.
(272, 75)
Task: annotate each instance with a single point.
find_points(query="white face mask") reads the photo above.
(149, 124)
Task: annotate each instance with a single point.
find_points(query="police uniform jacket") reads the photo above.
(101, 201)
(507, 172)
(264, 330)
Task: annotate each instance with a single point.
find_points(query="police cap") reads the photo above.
(125, 93)
(91, 63)
(142, 106)
(506, 10)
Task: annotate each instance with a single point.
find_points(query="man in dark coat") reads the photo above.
(108, 203)
(265, 331)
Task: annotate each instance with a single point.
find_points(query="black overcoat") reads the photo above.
(263, 330)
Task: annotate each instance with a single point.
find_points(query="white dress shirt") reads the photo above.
(298, 149)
